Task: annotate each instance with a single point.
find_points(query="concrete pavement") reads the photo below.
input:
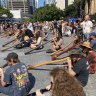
(41, 74)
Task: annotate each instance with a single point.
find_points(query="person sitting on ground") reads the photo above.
(78, 67)
(62, 84)
(15, 80)
(57, 41)
(26, 42)
(90, 55)
(38, 39)
(24, 38)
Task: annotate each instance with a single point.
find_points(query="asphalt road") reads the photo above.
(41, 74)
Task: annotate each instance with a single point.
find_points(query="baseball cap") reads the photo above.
(11, 56)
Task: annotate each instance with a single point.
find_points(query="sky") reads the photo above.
(41, 3)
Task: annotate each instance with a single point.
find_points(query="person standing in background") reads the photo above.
(87, 27)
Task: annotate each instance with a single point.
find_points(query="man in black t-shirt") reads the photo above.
(79, 68)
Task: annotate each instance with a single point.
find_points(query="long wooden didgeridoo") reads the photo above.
(8, 47)
(8, 42)
(4, 33)
(3, 66)
(48, 62)
(63, 47)
(26, 53)
(54, 56)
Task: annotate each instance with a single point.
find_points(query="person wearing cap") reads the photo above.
(78, 67)
(15, 77)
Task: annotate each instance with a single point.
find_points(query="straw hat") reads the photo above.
(26, 38)
(86, 44)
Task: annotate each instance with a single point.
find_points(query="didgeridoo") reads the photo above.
(54, 56)
(48, 62)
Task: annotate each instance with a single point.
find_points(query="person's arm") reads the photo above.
(59, 43)
(81, 24)
(42, 91)
(39, 41)
(91, 26)
(3, 83)
(38, 93)
(70, 70)
(77, 67)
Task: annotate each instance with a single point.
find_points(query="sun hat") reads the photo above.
(86, 44)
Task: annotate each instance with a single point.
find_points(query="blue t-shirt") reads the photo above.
(17, 78)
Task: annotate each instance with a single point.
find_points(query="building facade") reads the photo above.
(26, 6)
(49, 2)
(4, 3)
(70, 2)
(59, 3)
(36, 4)
(90, 9)
(19, 5)
(33, 5)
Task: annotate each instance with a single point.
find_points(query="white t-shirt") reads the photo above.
(87, 25)
(30, 27)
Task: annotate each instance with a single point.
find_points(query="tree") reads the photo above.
(47, 13)
(5, 11)
(89, 4)
(74, 9)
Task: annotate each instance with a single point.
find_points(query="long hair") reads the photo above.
(64, 84)
(59, 36)
(37, 34)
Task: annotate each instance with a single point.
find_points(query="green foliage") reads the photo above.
(5, 11)
(73, 10)
(47, 13)
(93, 16)
(26, 20)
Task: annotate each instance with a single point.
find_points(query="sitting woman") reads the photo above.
(37, 39)
(57, 41)
(62, 84)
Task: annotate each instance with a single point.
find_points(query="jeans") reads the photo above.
(85, 36)
(6, 90)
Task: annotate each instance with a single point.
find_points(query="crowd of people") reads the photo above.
(15, 80)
